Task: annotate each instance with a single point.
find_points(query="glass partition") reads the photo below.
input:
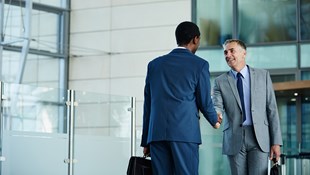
(102, 134)
(34, 139)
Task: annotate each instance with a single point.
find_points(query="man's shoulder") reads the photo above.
(158, 59)
(258, 70)
(222, 77)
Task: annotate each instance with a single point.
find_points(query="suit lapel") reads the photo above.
(252, 82)
(233, 86)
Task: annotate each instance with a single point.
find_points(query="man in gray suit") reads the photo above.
(251, 124)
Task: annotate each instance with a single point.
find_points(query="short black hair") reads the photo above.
(239, 42)
(185, 32)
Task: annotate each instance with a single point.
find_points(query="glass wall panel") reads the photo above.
(305, 75)
(215, 58)
(211, 159)
(214, 19)
(305, 55)
(282, 78)
(43, 34)
(272, 57)
(39, 70)
(266, 57)
(287, 112)
(305, 19)
(13, 25)
(267, 21)
(57, 3)
(305, 117)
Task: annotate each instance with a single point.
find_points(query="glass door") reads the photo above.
(294, 110)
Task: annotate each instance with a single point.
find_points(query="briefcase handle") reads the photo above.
(147, 155)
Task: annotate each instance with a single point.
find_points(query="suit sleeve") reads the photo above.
(146, 111)
(204, 100)
(217, 97)
(272, 114)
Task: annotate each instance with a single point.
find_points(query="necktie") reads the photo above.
(240, 90)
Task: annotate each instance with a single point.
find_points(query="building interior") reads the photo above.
(73, 72)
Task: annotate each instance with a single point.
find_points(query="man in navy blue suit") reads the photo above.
(177, 87)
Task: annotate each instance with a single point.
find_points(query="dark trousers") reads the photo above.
(174, 158)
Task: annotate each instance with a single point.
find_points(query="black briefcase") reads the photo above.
(276, 168)
(139, 166)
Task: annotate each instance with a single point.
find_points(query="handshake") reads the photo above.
(219, 121)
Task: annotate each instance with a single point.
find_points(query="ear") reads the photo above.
(196, 40)
(244, 54)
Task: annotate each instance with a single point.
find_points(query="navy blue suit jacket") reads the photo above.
(177, 86)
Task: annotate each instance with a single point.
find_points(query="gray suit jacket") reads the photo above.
(263, 109)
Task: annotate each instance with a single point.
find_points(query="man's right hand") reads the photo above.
(217, 125)
(219, 121)
(146, 151)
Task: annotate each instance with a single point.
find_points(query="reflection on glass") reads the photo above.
(39, 70)
(305, 55)
(44, 31)
(267, 21)
(305, 75)
(305, 19)
(35, 109)
(210, 151)
(44, 28)
(102, 115)
(215, 58)
(214, 19)
(270, 57)
(266, 57)
(102, 130)
(287, 113)
(282, 78)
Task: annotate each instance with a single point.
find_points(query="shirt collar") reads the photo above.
(244, 71)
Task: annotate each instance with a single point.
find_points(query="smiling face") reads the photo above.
(235, 56)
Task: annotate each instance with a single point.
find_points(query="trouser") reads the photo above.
(174, 158)
(250, 160)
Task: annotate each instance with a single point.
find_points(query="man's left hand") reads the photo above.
(275, 152)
